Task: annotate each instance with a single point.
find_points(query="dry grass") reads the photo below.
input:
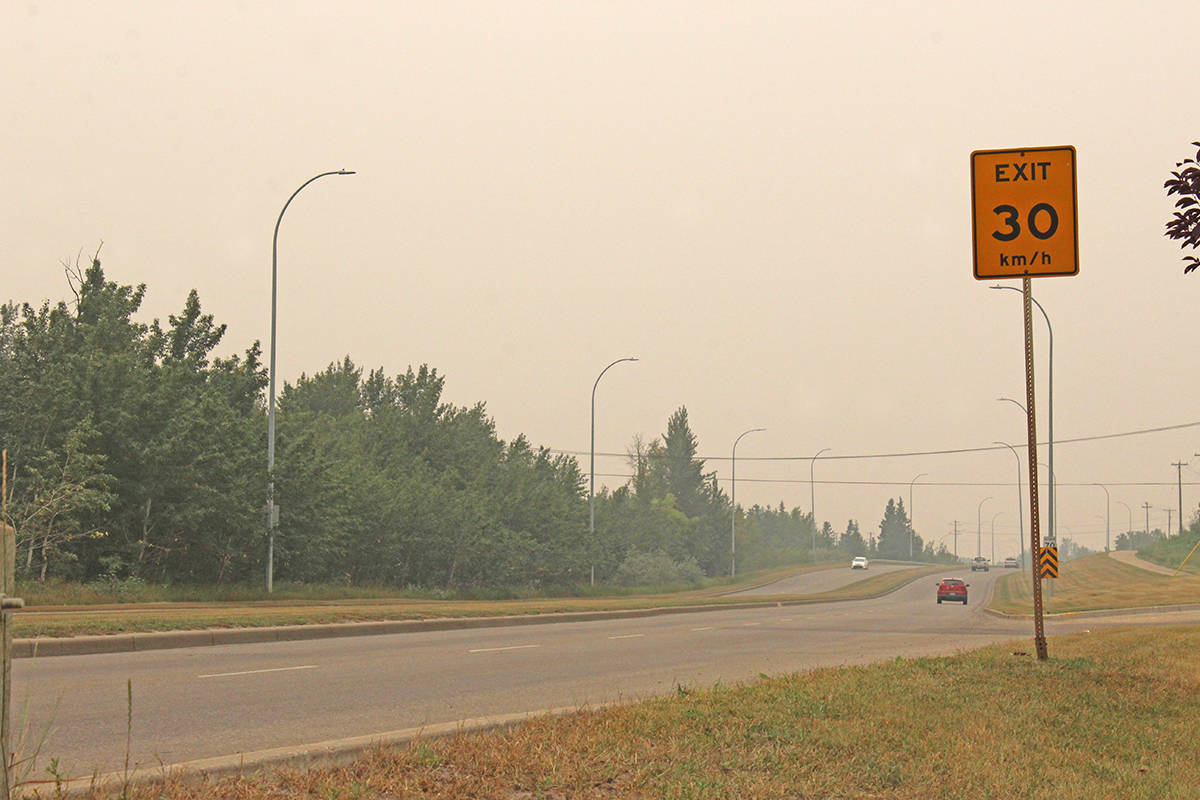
(1111, 715)
(1096, 582)
(193, 616)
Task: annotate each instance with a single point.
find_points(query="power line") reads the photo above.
(862, 456)
(951, 484)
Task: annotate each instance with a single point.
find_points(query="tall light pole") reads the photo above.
(812, 499)
(1128, 530)
(1107, 510)
(910, 514)
(979, 527)
(592, 464)
(272, 511)
(1020, 502)
(733, 504)
(998, 513)
(1050, 420)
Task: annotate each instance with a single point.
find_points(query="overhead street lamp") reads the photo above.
(1107, 510)
(979, 527)
(592, 484)
(1128, 530)
(998, 513)
(733, 505)
(1020, 502)
(910, 513)
(812, 499)
(272, 511)
(1053, 503)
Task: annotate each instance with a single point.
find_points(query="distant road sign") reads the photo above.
(1023, 212)
(1048, 563)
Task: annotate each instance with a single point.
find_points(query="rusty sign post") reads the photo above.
(1025, 225)
(8, 585)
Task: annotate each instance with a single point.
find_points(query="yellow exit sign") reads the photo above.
(1023, 211)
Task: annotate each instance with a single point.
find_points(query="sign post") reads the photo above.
(1025, 225)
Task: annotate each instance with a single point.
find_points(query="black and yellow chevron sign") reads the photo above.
(1048, 563)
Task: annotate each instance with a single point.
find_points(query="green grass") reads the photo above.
(135, 618)
(1171, 553)
(1111, 715)
(1093, 583)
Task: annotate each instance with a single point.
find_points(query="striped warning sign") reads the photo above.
(1048, 563)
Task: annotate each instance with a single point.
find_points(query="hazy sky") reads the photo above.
(767, 203)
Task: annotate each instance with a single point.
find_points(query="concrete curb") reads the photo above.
(332, 752)
(44, 647)
(1103, 612)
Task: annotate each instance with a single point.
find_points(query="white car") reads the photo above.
(859, 562)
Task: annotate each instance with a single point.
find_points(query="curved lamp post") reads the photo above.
(910, 513)
(979, 527)
(998, 513)
(1050, 417)
(1020, 502)
(733, 506)
(812, 499)
(272, 512)
(592, 463)
(1107, 508)
(1128, 530)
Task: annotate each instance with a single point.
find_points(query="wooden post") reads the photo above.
(8, 586)
(8, 563)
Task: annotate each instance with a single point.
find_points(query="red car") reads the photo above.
(952, 589)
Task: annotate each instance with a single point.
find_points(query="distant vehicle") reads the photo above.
(952, 589)
(1011, 563)
(859, 562)
(979, 563)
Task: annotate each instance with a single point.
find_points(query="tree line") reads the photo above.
(135, 452)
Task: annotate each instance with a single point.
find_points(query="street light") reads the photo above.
(733, 504)
(592, 484)
(1053, 503)
(979, 527)
(910, 514)
(272, 511)
(1128, 530)
(998, 513)
(1020, 503)
(1107, 509)
(812, 499)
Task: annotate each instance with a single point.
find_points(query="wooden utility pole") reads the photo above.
(8, 562)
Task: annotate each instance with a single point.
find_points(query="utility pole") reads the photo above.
(1178, 465)
(1170, 513)
(955, 540)
(1147, 507)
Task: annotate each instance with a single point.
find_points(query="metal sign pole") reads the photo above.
(1039, 631)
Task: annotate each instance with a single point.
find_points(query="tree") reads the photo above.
(893, 531)
(852, 541)
(1184, 225)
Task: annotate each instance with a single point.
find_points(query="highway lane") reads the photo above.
(211, 701)
(822, 580)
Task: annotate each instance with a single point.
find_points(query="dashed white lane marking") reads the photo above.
(750, 624)
(785, 619)
(498, 649)
(256, 671)
(629, 636)
(709, 628)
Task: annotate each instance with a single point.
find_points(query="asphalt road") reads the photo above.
(211, 701)
(823, 580)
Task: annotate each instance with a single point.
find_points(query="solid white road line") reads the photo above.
(257, 671)
(498, 649)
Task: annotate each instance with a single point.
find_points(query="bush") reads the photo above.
(652, 569)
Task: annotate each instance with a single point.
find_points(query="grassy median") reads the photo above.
(135, 618)
(1093, 583)
(1111, 715)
